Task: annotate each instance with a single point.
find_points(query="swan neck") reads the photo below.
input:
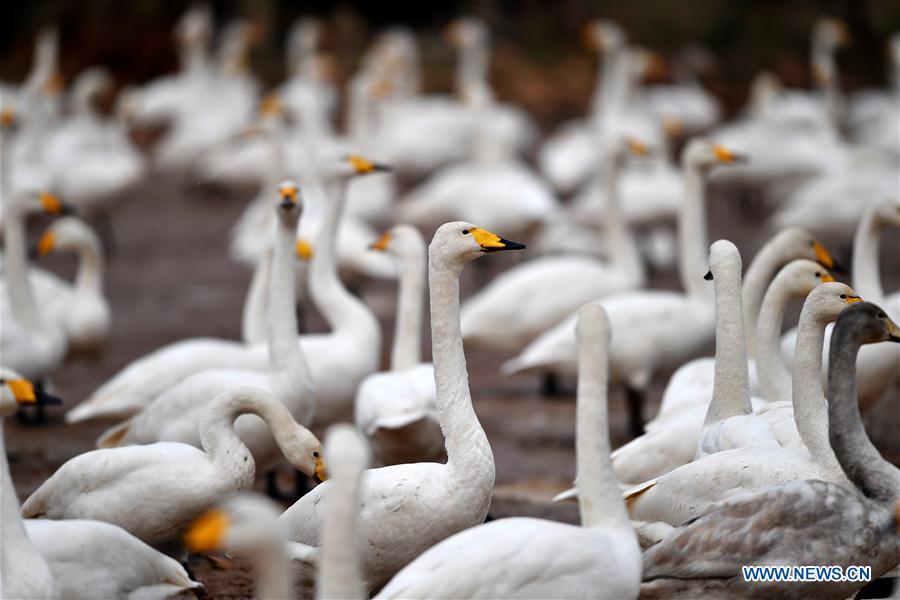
(692, 237)
(760, 272)
(624, 254)
(469, 454)
(340, 575)
(21, 296)
(866, 279)
(91, 265)
(599, 499)
(810, 405)
(408, 328)
(774, 378)
(731, 384)
(253, 321)
(605, 81)
(472, 67)
(273, 572)
(281, 321)
(13, 537)
(860, 460)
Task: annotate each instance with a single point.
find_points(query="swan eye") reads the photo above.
(843, 296)
(880, 315)
(818, 274)
(465, 232)
(316, 454)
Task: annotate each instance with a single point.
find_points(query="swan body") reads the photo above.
(437, 500)
(599, 559)
(154, 491)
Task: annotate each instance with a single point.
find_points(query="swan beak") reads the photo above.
(893, 330)
(491, 242)
(270, 106)
(853, 299)
(321, 471)
(207, 532)
(7, 117)
(288, 193)
(304, 250)
(51, 204)
(46, 244)
(363, 166)
(826, 278)
(382, 243)
(637, 147)
(673, 126)
(724, 155)
(23, 391)
(708, 276)
(43, 398)
(824, 258)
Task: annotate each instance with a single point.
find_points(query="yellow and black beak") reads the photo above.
(52, 205)
(207, 532)
(826, 277)
(321, 471)
(852, 299)
(824, 258)
(363, 166)
(893, 330)
(289, 194)
(491, 242)
(26, 392)
(637, 147)
(726, 156)
(46, 244)
(382, 243)
(304, 250)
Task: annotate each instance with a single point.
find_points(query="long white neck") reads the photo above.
(253, 320)
(756, 281)
(866, 279)
(21, 297)
(91, 265)
(408, 328)
(692, 237)
(825, 72)
(774, 377)
(731, 387)
(343, 311)
(472, 68)
(469, 454)
(810, 405)
(273, 571)
(623, 250)
(286, 357)
(339, 574)
(603, 88)
(599, 498)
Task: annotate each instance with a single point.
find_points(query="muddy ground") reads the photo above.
(170, 277)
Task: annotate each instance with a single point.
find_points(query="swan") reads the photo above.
(693, 381)
(75, 558)
(338, 360)
(878, 362)
(508, 557)
(434, 500)
(245, 526)
(174, 415)
(31, 342)
(872, 116)
(685, 492)
(665, 328)
(84, 312)
(686, 102)
(489, 321)
(798, 522)
(155, 491)
(396, 409)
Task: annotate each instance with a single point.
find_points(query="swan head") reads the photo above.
(290, 203)
(68, 234)
(724, 258)
(593, 324)
(400, 240)
(16, 391)
(602, 35)
(831, 33)
(888, 211)
(828, 300)
(867, 323)
(466, 32)
(90, 84)
(245, 523)
(304, 451)
(465, 242)
(351, 165)
(29, 202)
(796, 242)
(801, 276)
(704, 154)
(195, 27)
(346, 452)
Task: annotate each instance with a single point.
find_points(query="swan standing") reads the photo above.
(506, 558)
(434, 500)
(396, 409)
(154, 491)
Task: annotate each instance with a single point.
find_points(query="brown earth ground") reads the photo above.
(170, 277)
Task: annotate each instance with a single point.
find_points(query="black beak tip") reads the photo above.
(286, 204)
(708, 276)
(382, 168)
(894, 338)
(68, 210)
(839, 267)
(740, 159)
(45, 399)
(510, 245)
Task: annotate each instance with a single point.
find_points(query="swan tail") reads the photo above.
(569, 494)
(114, 437)
(632, 494)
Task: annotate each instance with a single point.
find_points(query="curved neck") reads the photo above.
(599, 498)
(866, 279)
(253, 320)
(756, 280)
(339, 574)
(810, 405)
(341, 309)
(469, 454)
(605, 81)
(731, 386)
(623, 250)
(13, 537)
(91, 264)
(273, 571)
(408, 328)
(21, 296)
(825, 74)
(692, 240)
(773, 375)
(473, 66)
(861, 461)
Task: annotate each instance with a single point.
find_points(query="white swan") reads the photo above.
(30, 342)
(83, 311)
(600, 559)
(434, 500)
(73, 558)
(665, 328)
(174, 415)
(154, 491)
(396, 409)
(872, 116)
(800, 522)
(491, 322)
